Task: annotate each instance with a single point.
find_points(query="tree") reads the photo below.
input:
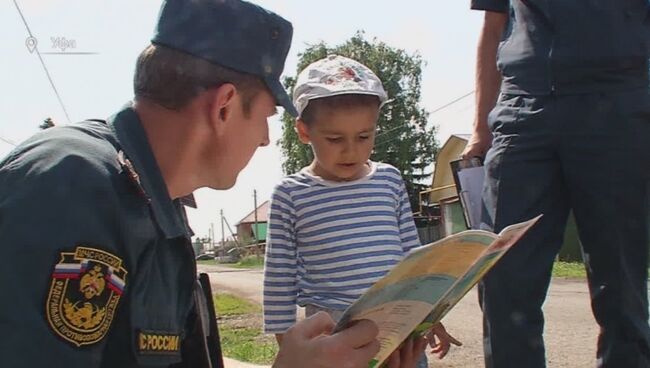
(403, 138)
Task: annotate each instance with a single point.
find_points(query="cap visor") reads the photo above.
(281, 96)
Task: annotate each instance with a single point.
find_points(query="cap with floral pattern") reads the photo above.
(336, 75)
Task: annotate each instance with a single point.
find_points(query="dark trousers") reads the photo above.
(552, 154)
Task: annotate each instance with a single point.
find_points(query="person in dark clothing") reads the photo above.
(563, 121)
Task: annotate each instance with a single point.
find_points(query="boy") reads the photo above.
(343, 222)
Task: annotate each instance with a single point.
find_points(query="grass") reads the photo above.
(250, 262)
(248, 345)
(230, 305)
(240, 330)
(570, 270)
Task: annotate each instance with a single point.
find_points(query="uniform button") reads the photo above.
(275, 34)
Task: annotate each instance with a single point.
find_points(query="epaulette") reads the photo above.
(133, 176)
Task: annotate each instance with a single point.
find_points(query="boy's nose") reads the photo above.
(349, 148)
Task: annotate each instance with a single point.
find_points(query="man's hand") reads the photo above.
(440, 340)
(478, 144)
(309, 343)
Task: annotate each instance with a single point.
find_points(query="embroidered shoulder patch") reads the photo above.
(158, 342)
(84, 293)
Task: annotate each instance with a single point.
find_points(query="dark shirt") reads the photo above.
(98, 269)
(572, 46)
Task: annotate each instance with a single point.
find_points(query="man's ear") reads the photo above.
(303, 131)
(222, 104)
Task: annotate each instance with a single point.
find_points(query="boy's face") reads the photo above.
(342, 141)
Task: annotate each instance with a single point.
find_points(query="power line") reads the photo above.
(430, 113)
(47, 72)
(7, 141)
(452, 102)
(390, 130)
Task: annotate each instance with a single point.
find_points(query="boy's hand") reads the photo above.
(408, 355)
(440, 340)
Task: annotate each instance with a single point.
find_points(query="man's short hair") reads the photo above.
(172, 78)
(316, 106)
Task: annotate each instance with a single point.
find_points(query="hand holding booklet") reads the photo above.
(469, 175)
(420, 290)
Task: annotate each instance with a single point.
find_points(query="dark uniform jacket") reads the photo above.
(97, 266)
(572, 46)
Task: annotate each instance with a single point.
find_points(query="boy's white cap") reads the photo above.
(335, 75)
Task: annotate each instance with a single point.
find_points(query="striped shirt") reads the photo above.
(328, 242)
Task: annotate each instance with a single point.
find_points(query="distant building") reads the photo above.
(440, 203)
(247, 233)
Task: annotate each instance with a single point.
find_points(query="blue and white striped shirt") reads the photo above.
(328, 242)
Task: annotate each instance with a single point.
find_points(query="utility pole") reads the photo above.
(208, 244)
(223, 236)
(212, 237)
(257, 230)
(234, 238)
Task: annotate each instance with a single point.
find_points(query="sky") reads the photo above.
(89, 48)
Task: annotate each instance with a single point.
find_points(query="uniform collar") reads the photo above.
(169, 214)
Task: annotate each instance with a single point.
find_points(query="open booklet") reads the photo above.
(420, 290)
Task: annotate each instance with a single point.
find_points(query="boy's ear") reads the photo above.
(222, 105)
(303, 131)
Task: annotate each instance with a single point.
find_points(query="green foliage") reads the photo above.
(572, 270)
(248, 345)
(403, 138)
(250, 262)
(229, 305)
(245, 342)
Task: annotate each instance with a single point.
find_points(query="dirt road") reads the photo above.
(570, 328)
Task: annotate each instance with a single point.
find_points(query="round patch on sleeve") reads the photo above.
(84, 293)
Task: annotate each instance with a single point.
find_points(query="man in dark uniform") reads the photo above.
(569, 131)
(98, 266)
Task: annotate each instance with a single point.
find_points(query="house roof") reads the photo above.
(463, 136)
(443, 179)
(262, 214)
